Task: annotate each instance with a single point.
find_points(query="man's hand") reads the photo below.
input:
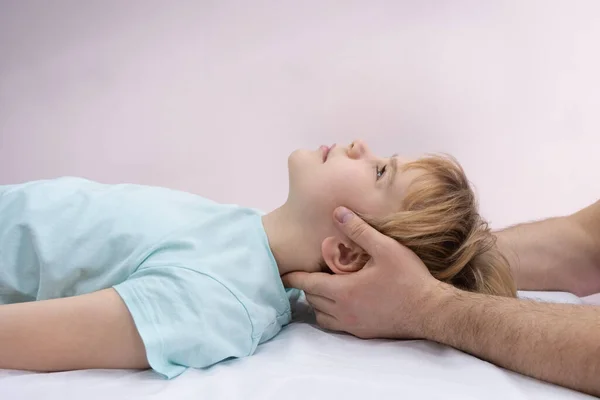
(394, 296)
(390, 297)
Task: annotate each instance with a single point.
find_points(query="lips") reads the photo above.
(325, 151)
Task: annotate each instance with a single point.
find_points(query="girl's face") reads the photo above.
(350, 176)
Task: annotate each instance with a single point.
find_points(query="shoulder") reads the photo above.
(186, 318)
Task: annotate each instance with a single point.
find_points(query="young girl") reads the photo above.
(128, 276)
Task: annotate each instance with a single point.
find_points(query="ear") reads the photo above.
(342, 257)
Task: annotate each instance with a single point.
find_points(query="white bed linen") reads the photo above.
(304, 362)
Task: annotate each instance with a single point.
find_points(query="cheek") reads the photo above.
(355, 188)
(323, 187)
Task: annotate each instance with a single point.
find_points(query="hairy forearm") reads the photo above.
(556, 254)
(558, 343)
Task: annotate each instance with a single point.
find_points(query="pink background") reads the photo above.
(212, 96)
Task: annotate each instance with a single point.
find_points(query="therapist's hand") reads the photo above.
(394, 296)
(391, 297)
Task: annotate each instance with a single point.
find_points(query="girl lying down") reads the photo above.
(128, 276)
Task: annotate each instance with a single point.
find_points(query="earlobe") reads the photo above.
(341, 257)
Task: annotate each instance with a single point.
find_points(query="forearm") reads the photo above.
(558, 343)
(89, 331)
(556, 254)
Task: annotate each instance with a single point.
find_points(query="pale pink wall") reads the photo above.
(210, 97)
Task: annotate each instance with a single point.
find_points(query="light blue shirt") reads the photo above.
(198, 277)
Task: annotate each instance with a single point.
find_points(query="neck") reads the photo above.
(288, 241)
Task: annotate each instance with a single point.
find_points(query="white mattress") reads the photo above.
(304, 362)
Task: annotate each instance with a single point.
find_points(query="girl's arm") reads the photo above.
(82, 332)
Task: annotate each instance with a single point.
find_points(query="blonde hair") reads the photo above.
(439, 221)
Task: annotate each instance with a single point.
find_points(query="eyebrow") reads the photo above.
(394, 167)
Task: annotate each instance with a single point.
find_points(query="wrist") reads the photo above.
(438, 311)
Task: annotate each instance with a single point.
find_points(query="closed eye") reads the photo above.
(380, 171)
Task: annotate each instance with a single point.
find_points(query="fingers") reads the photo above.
(321, 303)
(316, 283)
(327, 321)
(359, 231)
(294, 279)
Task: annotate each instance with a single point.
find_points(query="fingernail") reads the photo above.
(343, 215)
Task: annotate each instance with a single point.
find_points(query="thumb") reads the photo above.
(359, 231)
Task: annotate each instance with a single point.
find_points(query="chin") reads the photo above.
(302, 162)
(302, 156)
(306, 177)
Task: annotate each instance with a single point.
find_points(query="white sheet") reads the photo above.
(304, 362)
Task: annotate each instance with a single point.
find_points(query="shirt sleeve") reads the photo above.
(186, 319)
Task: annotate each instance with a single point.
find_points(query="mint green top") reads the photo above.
(198, 277)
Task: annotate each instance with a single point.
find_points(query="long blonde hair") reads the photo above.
(440, 222)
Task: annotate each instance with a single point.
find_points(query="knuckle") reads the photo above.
(322, 321)
(358, 230)
(319, 319)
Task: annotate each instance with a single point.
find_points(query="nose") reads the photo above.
(358, 149)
